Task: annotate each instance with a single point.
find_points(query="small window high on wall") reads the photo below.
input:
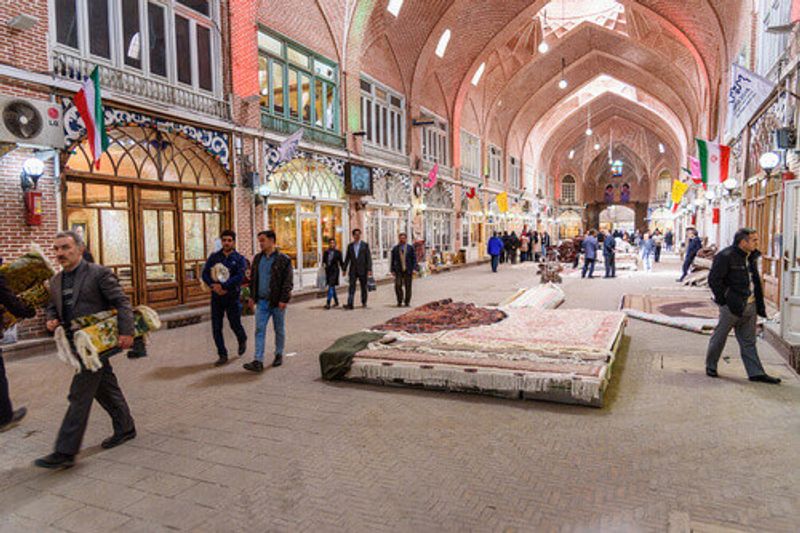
(514, 172)
(568, 195)
(663, 186)
(495, 163)
(435, 140)
(470, 154)
(382, 117)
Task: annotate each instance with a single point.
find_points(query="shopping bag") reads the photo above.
(322, 279)
(371, 285)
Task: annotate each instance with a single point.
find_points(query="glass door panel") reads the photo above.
(331, 220)
(283, 221)
(309, 228)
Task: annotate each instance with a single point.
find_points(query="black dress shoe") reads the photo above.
(764, 378)
(55, 461)
(117, 439)
(242, 348)
(222, 361)
(711, 373)
(16, 416)
(348, 307)
(278, 360)
(136, 355)
(254, 366)
(336, 304)
(327, 306)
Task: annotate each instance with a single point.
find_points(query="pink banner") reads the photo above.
(432, 175)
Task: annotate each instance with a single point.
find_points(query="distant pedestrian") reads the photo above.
(693, 245)
(647, 251)
(404, 262)
(495, 248)
(669, 238)
(658, 242)
(334, 263)
(524, 246)
(359, 262)
(271, 289)
(223, 273)
(506, 246)
(513, 246)
(736, 284)
(590, 245)
(609, 256)
(545, 244)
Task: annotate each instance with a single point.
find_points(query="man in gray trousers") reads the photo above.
(736, 285)
(81, 289)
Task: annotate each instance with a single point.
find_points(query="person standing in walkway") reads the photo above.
(9, 417)
(513, 246)
(271, 286)
(658, 242)
(82, 289)
(334, 264)
(404, 262)
(495, 249)
(359, 262)
(736, 284)
(668, 240)
(693, 245)
(506, 246)
(609, 255)
(545, 238)
(648, 247)
(535, 248)
(524, 246)
(223, 273)
(589, 254)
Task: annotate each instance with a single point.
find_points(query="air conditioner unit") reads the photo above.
(31, 122)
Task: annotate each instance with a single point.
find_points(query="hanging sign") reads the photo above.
(748, 91)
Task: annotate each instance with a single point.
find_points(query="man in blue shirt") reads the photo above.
(494, 248)
(590, 245)
(693, 246)
(271, 286)
(609, 253)
(223, 273)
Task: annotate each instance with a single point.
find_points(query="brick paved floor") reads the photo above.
(223, 450)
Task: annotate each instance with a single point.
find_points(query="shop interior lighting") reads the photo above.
(769, 161)
(478, 73)
(443, 42)
(394, 7)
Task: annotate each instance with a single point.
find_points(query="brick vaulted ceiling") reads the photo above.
(673, 53)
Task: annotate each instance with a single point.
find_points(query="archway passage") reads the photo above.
(152, 211)
(617, 218)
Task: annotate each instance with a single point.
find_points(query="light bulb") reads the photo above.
(596, 146)
(562, 84)
(543, 47)
(588, 132)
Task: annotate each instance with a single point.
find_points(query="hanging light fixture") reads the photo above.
(562, 83)
(543, 46)
(589, 122)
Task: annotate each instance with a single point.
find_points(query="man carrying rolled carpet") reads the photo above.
(81, 289)
(9, 417)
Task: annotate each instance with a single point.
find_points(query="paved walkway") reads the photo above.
(223, 450)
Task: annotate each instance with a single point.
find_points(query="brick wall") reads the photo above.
(24, 49)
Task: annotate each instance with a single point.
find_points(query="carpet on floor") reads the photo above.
(692, 310)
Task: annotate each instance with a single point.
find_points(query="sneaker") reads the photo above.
(117, 439)
(254, 366)
(55, 461)
(278, 360)
(16, 416)
(222, 361)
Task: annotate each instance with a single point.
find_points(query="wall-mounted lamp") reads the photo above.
(769, 161)
(32, 170)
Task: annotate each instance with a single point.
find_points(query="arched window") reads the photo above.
(307, 178)
(149, 154)
(568, 190)
(663, 186)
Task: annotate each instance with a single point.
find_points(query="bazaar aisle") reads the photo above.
(223, 450)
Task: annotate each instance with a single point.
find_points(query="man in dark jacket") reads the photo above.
(404, 262)
(736, 285)
(9, 417)
(334, 263)
(359, 261)
(609, 253)
(271, 289)
(590, 246)
(224, 272)
(82, 289)
(495, 248)
(693, 246)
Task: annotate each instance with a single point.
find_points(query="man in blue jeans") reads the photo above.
(271, 287)
(494, 248)
(223, 273)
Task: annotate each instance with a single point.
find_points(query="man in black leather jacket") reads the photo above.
(736, 285)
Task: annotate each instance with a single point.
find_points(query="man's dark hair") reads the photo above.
(332, 240)
(403, 234)
(355, 231)
(593, 232)
(268, 233)
(742, 234)
(228, 233)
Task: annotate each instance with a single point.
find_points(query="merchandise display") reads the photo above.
(441, 315)
(26, 277)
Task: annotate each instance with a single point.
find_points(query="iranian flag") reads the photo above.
(90, 107)
(714, 161)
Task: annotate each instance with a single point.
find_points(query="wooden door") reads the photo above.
(159, 259)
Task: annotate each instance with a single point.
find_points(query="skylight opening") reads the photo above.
(443, 42)
(476, 78)
(394, 7)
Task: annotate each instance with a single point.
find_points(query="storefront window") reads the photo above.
(331, 220)
(284, 222)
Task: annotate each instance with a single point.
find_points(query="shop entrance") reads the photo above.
(790, 306)
(152, 212)
(617, 217)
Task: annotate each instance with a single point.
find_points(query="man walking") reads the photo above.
(693, 246)
(736, 284)
(223, 273)
(609, 255)
(359, 261)
(495, 248)
(9, 417)
(81, 289)
(404, 262)
(271, 286)
(589, 254)
(668, 238)
(334, 263)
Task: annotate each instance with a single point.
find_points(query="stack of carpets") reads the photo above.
(546, 296)
(557, 355)
(442, 315)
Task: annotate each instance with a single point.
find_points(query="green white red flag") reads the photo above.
(714, 162)
(90, 106)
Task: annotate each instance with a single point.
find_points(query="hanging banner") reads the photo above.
(474, 205)
(502, 202)
(748, 91)
(432, 176)
(678, 190)
(715, 215)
